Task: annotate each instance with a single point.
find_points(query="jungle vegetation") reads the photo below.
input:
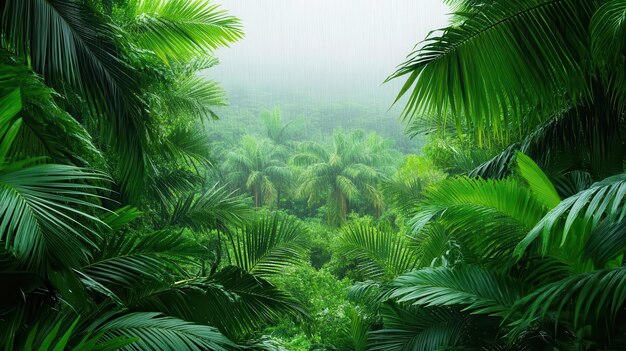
(135, 215)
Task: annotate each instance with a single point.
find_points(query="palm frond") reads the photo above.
(358, 332)
(187, 146)
(418, 329)
(500, 60)
(180, 30)
(402, 194)
(214, 208)
(45, 212)
(47, 129)
(608, 31)
(589, 297)
(124, 260)
(70, 44)
(380, 252)
(166, 185)
(268, 245)
(586, 209)
(576, 137)
(347, 187)
(538, 182)
(259, 300)
(196, 95)
(606, 242)
(157, 332)
(573, 182)
(475, 289)
(488, 217)
(498, 167)
(435, 246)
(10, 105)
(121, 217)
(489, 194)
(233, 300)
(60, 334)
(309, 152)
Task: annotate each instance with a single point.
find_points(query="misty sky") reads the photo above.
(329, 48)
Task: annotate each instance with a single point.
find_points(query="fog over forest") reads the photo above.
(304, 55)
(153, 199)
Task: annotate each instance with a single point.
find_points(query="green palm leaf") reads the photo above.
(10, 105)
(538, 182)
(435, 247)
(380, 252)
(47, 129)
(168, 184)
(44, 211)
(124, 260)
(180, 30)
(579, 137)
(60, 334)
(268, 245)
(571, 183)
(418, 329)
(498, 167)
(488, 217)
(476, 289)
(157, 332)
(196, 95)
(606, 242)
(257, 166)
(608, 30)
(585, 210)
(70, 44)
(214, 208)
(403, 194)
(502, 59)
(121, 217)
(187, 146)
(598, 295)
(233, 300)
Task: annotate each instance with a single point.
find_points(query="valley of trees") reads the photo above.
(138, 213)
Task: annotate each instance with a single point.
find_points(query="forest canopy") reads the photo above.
(140, 209)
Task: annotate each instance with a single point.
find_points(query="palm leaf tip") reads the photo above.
(179, 29)
(454, 70)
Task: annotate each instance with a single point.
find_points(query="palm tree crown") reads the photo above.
(339, 174)
(256, 167)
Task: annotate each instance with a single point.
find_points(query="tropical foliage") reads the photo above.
(113, 234)
(257, 167)
(343, 173)
(130, 219)
(522, 258)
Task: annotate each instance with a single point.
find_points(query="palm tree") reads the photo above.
(381, 253)
(257, 167)
(529, 272)
(276, 129)
(339, 173)
(98, 280)
(38, 202)
(519, 269)
(80, 270)
(77, 51)
(548, 74)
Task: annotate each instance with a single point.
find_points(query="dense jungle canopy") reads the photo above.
(475, 201)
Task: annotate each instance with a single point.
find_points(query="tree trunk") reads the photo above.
(344, 207)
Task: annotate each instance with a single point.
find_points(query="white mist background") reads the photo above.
(330, 49)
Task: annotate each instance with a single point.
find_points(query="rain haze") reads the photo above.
(325, 48)
(324, 61)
